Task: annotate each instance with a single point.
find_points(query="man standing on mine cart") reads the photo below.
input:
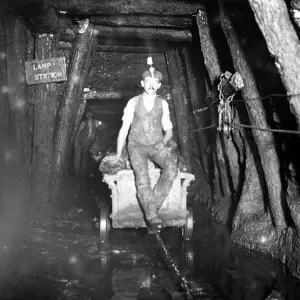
(148, 118)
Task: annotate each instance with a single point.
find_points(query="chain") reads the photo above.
(183, 281)
(207, 96)
(224, 109)
(193, 290)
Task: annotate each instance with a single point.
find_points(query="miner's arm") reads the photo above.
(166, 123)
(122, 138)
(168, 134)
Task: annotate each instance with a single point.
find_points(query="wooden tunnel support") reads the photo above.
(264, 139)
(181, 103)
(45, 107)
(18, 153)
(221, 176)
(71, 100)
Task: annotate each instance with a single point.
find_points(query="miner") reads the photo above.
(146, 122)
(82, 144)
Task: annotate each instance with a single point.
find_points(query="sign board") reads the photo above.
(46, 70)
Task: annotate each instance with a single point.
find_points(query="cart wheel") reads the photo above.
(104, 224)
(104, 262)
(187, 230)
(189, 255)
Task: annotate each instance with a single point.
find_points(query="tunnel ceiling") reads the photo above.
(167, 20)
(122, 25)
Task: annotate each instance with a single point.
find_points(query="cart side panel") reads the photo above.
(173, 210)
(126, 210)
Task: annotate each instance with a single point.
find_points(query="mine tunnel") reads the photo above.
(74, 220)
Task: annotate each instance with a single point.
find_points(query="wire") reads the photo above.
(243, 100)
(269, 96)
(245, 126)
(265, 129)
(205, 108)
(198, 129)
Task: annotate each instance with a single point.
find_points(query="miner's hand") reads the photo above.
(159, 146)
(113, 158)
(97, 158)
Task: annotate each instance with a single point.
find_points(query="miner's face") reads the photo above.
(89, 116)
(150, 85)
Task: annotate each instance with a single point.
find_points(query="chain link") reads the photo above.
(183, 281)
(193, 290)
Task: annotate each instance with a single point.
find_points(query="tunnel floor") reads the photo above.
(60, 258)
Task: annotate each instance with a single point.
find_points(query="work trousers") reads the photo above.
(81, 157)
(152, 200)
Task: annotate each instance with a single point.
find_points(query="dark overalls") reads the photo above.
(83, 144)
(145, 131)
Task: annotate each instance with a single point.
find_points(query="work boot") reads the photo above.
(154, 224)
(155, 228)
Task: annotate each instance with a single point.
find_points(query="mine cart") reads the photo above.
(126, 211)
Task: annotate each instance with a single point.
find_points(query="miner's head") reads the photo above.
(151, 83)
(89, 115)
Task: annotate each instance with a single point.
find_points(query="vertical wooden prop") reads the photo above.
(30, 101)
(264, 139)
(208, 48)
(78, 118)
(18, 156)
(181, 103)
(197, 93)
(223, 186)
(43, 129)
(4, 112)
(69, 104)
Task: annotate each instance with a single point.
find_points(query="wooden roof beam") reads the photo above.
(153, 7)
(141, 21)
(105, 34)
(145, 33)
(123, 48)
